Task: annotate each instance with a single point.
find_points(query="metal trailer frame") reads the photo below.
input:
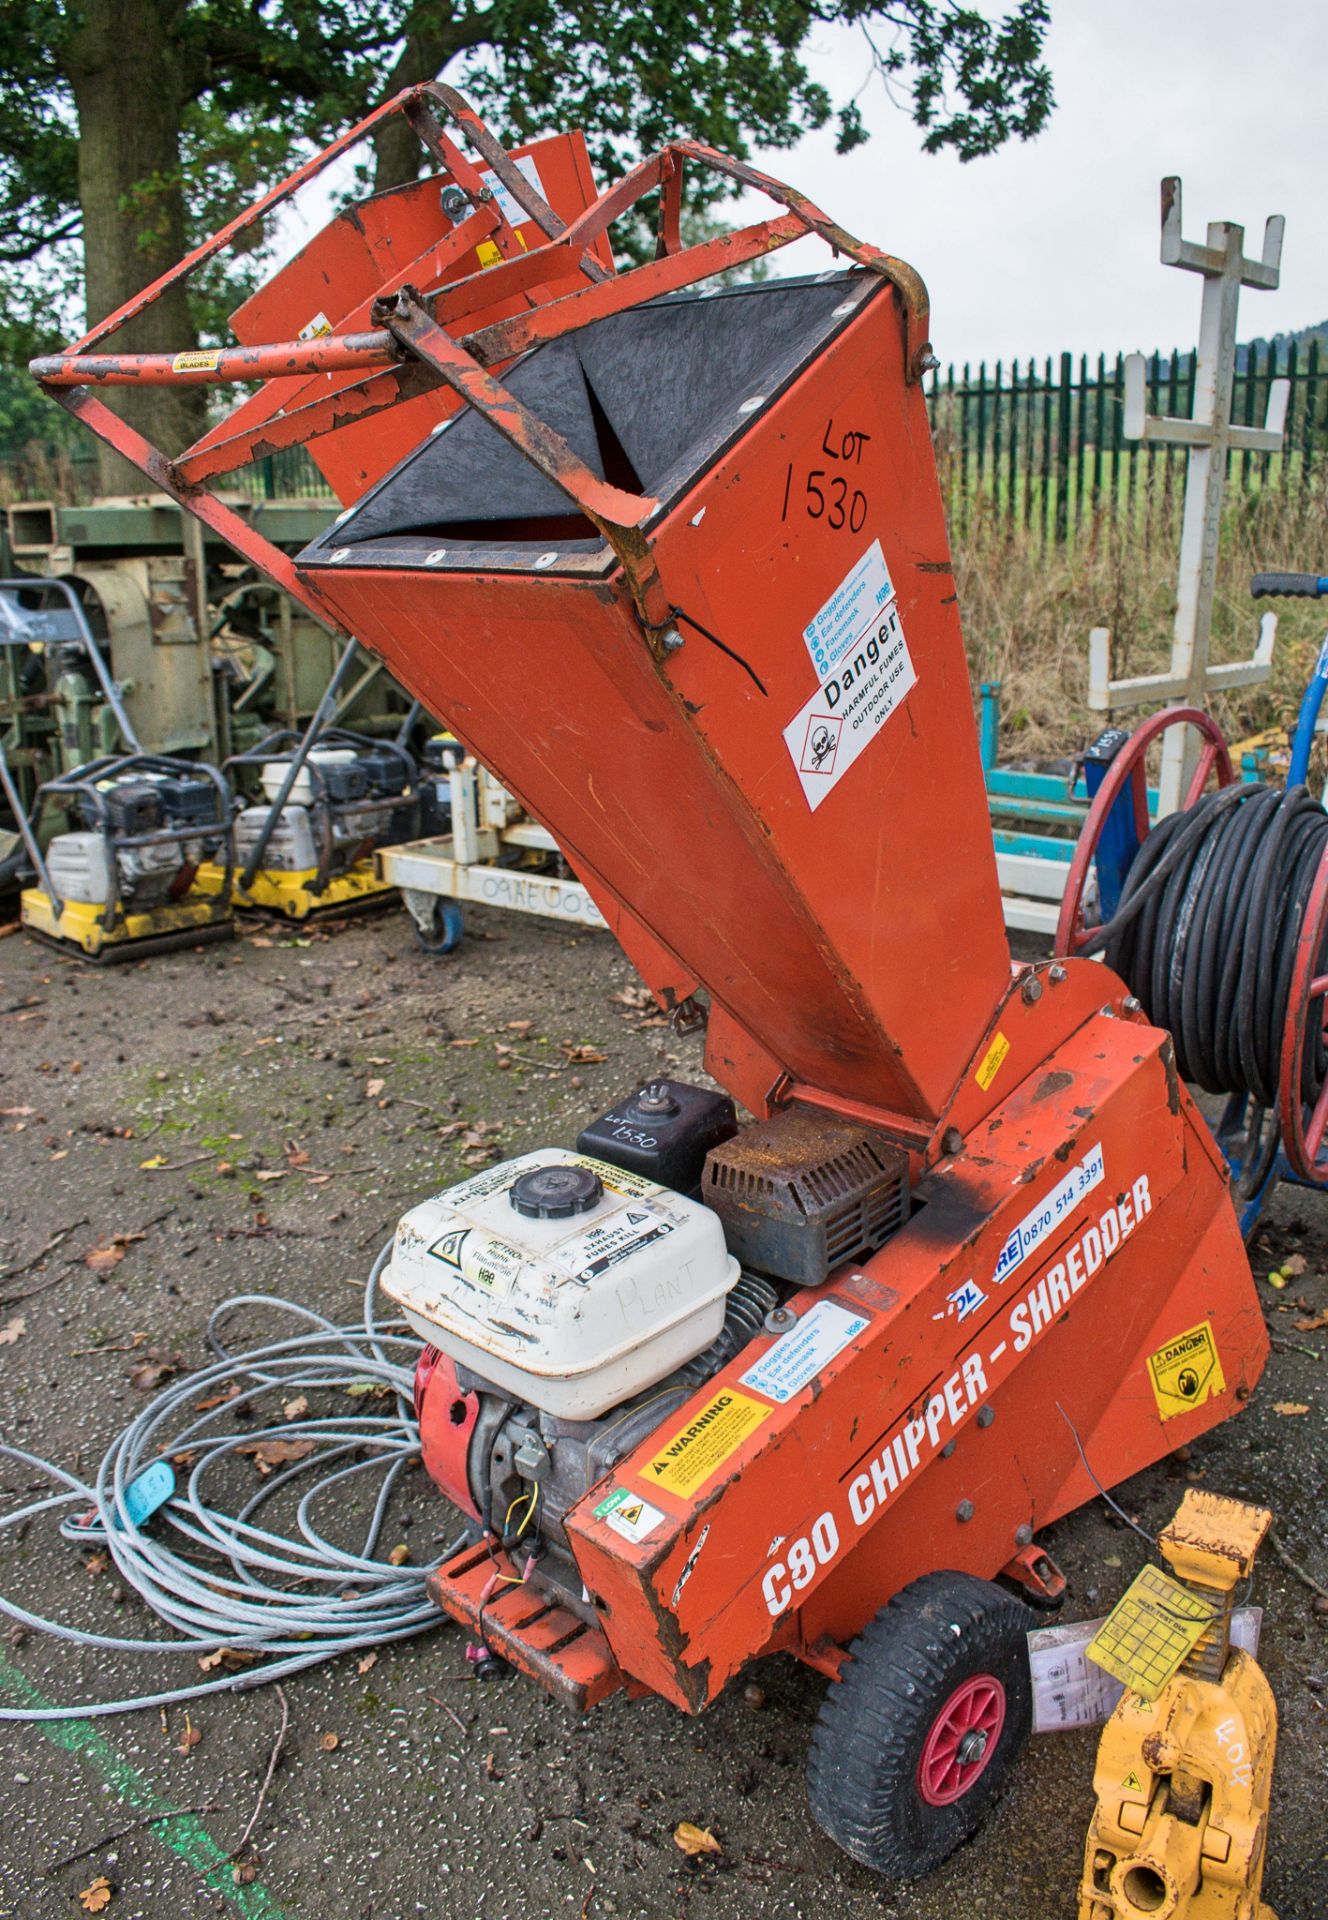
(480, 861)
(1070, 1210)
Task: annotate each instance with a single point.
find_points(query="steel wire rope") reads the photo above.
(1207, 929)
(215, 1575)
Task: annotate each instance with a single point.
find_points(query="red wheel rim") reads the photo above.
(1128, 766)
(962, 1740)
(1303, 1139)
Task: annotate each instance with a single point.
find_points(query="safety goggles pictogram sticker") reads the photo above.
(1186, 1371)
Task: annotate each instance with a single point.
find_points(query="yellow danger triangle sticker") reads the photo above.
(1186, 1371)
(1132, 1783)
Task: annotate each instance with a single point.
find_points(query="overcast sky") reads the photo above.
(1053, 243)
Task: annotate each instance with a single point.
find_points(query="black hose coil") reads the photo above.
(1206, 933)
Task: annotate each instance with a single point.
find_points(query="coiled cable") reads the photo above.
(219, 1577)
(1206, 934)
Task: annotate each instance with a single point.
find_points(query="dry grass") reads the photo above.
(1028, 609)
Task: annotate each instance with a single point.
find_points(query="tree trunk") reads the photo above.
(123, 66)
(399, 154)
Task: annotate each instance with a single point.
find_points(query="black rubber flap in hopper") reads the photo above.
(647, 398)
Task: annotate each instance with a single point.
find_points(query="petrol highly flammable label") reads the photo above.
(700, 1449)
(862, 680)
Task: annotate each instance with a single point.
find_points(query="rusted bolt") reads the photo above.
(1031, 991)
(1023, 1536)
(779, 1320)
(952, 1140)
(985, 1416)
(1056, 973)
(964, 1511)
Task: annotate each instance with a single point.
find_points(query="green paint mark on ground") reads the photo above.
(183, 1833)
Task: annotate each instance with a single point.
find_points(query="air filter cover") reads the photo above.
(801, 1194)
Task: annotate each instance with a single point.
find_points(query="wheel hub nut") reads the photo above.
(972, 1747)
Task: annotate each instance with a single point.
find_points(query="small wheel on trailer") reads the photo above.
(916, 1742)
(443, 930)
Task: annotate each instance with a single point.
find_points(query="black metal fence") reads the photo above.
(1039, 445)
(1035, 445)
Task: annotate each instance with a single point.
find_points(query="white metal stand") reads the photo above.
(486, 822)
(1211, 435)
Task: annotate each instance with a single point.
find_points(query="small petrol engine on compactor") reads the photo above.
(125, 877)
(673, 563)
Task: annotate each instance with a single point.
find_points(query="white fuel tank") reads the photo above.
(567, 1282)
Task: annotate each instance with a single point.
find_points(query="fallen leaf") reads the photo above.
(13, 1330)
(1295, 1264)
(399, 1555)
(695, 1840)
(149, 1166)
(463, 1043)
(296, 1156)
(109, 1251)
(1289, 1407)
(374, 1088)
(154, 1369)
(260, 940)
(190, 1738)
(519, 1026)
(329, 1742)
(97, 1562)
(276, 1453)
(296, 1409)
(1311, 1323)
(244, 1870)
(271, 1173)
(94, 1898)
(582, 1056)
(369, 1661)
(227, 1656)
(229, 1392)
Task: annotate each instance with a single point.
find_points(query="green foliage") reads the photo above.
(263, 81)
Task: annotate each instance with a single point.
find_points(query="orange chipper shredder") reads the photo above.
(670, 558)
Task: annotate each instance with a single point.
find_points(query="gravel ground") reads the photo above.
(438, 1796)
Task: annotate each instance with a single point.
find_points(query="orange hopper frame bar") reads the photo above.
(1070, 1209)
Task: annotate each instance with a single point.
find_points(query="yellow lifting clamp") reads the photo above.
(1185, 1764)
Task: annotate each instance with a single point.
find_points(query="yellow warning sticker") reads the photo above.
(1132, 1783)
(992, 1061)
(1149, 1632)
(204, 360)
(490, 255)
(700, 1449)
(1186, 1371)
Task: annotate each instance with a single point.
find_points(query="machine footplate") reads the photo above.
(545, 1641)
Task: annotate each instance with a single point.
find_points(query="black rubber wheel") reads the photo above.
(446, 927)
(916, 1742)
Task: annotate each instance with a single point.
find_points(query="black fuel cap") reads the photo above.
(555, 1192)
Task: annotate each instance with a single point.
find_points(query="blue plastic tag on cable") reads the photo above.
(151, 1489)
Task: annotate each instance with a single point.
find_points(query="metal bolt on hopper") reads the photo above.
(671, 559)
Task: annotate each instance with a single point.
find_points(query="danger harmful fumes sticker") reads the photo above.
(1186, 1371)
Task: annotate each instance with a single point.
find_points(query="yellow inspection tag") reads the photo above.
(700, 1448)
(992, 1061)
(1186, 1371)
(1149, 1632)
